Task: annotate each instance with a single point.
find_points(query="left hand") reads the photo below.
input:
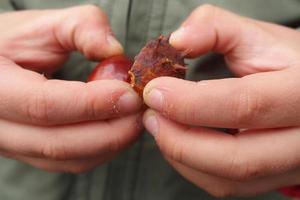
(264, 104)
(59, 125)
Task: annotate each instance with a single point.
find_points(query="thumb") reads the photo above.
(86, 28)
(249, 46)
(208, 28)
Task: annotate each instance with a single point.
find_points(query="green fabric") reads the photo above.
(140, 173)
(5, 6)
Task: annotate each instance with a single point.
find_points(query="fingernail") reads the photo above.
(154, 99)
(128, 102)
(177, 36)
(115, 46)
(151, 124)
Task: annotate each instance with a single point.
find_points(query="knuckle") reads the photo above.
(55, 150)
(242, 170)
(207, 12)
(93, 108)
(91, 11)
(92, 22)
(182, 108)
(176, 152)
(248, 105)
(248, 173)
(187, 110)
(115, 145)
(191, 105)
(207, 8)
(171, 147)
(38, 107)
(189, 113)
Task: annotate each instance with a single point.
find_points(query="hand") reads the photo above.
(263, 104)
(41, 40)
(54, 124)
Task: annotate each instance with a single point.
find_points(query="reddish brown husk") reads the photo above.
(157, 58)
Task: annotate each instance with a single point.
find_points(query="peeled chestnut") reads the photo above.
(115, 67)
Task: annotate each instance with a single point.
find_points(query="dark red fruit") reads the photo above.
(115, 67)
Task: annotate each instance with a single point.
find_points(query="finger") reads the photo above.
(204, 30)
(28, 97)
(210, 28)
(46, 37)
(245, 156)
(69, 142)
(221, 187)
(69, 166)
(265, 100)
(86, 28)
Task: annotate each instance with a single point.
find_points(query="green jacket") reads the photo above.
(139, 173)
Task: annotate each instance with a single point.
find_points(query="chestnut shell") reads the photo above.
(158, 58)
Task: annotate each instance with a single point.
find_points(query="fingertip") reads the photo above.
(129, 102)
(105, 46)
(158, 90)
(155, 99)
(160, 82)
(114, 47)
(116, 95)
(148, 88)
(177, 38)
(90, 33)
(153, 96)
(185, 39)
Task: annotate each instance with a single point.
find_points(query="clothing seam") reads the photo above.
(128, 16)
(109, 167)
(110, 8)
(89, 185)
(15, 6)
(107, 182)
(137, 167)
(71, 187)
(162, 25)
(141, 142)
(149, 22)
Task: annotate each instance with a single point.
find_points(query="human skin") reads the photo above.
(262, 102)
(58, 125)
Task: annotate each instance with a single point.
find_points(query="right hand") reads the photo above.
(58, 125)
(263, 103)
